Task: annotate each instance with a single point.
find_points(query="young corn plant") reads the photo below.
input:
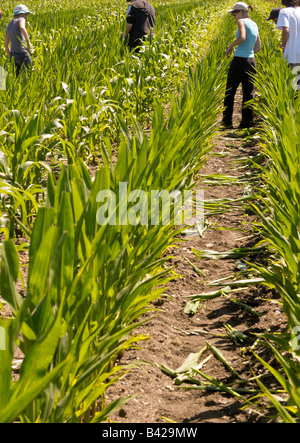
(22, 162)
(88, 283)
(277, 207)
(84, 295)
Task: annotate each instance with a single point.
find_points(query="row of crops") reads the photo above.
(278, 210)
(147, 121)
(275, 201)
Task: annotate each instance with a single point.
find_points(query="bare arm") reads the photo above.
(241, 38)
(285, 37)
(257, 46)
(7, 48)
(127, 30)
(24, 32)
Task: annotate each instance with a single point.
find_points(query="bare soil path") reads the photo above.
(158, 399)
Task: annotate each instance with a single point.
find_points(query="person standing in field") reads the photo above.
(16, 38)
(140, 23)
(243, 65)
(289, 24)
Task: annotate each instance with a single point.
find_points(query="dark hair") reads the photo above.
(251, 7)
(289, 3)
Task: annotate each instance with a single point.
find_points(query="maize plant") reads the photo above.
(89, 283)
(89, 80)
(279, 109)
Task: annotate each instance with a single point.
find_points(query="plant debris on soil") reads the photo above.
(175, 332)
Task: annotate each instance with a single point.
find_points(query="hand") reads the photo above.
(229, 50)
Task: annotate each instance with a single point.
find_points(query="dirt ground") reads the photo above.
(158, 399)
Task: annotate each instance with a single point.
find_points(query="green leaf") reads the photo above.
(9, 275)
(116, 405)
(16, 405)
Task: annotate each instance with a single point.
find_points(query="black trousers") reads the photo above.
(21, 60)
(240, 71)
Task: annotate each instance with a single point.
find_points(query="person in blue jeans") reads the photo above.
(243, 65)
(17, 41)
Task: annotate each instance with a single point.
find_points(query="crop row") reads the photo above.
(88, 284)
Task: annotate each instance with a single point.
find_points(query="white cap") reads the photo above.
(240, 6)
(21, 9)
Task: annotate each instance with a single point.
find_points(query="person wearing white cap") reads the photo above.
(242, 66)
(16, 37)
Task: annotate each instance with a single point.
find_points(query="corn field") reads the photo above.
(87, 117)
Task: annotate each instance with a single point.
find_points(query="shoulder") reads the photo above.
(241, 23)
(151, 7)
(251, 24)
(286, 12)
(134, 6)
(248, 21)
(22, 23)
(283, 18)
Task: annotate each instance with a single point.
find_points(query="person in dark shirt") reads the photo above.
(140, 22)
(17, 41)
